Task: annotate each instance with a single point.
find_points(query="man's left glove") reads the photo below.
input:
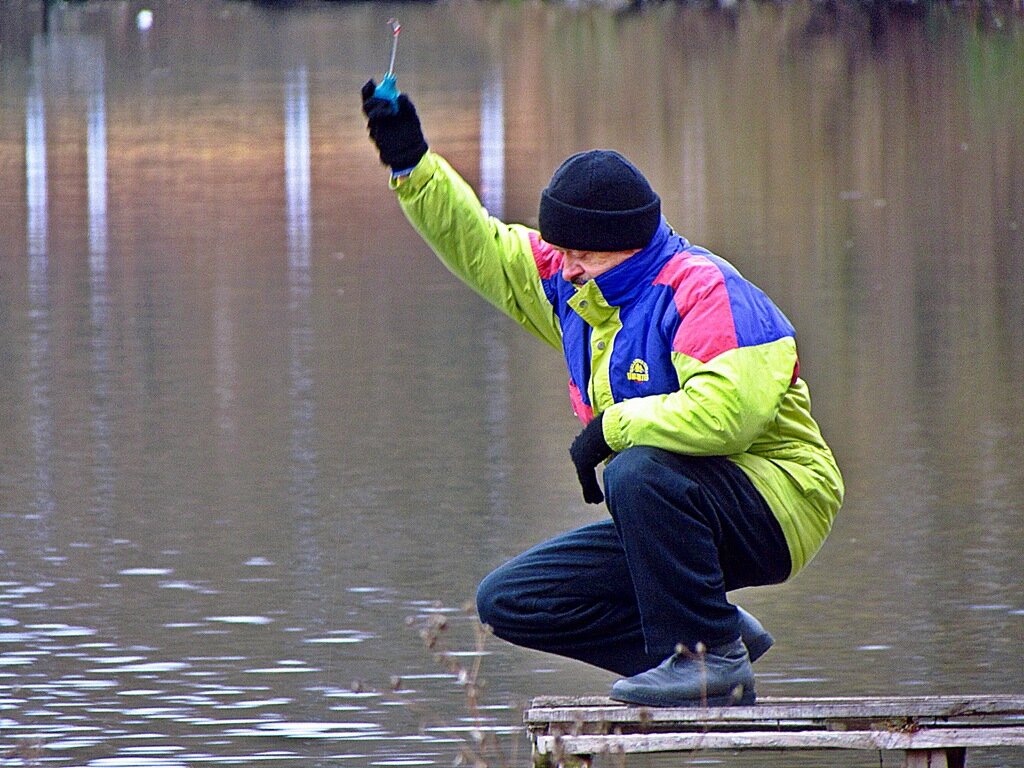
(588, 450)
(396, 132)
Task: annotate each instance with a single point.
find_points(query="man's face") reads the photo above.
(580, 266)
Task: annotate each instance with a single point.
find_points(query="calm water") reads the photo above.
(253, 437)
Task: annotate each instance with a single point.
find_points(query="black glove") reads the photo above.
(397, 134)
(588, 450)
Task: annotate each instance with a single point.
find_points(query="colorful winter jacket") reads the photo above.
(673, 345)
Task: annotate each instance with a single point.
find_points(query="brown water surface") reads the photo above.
(249, 426)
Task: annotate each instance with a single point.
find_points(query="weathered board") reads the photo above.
(931, 730)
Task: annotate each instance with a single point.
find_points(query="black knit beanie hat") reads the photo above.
(599, 201)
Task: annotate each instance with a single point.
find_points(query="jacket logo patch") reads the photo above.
(638, 371)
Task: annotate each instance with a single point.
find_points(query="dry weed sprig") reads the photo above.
(483, 748)
(699, 654)
(27, 752)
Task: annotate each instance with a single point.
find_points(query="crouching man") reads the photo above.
(686, 378)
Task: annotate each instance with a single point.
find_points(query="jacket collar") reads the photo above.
(624, 281)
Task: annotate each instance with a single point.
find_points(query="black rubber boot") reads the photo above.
(720, 677)
(757, 639)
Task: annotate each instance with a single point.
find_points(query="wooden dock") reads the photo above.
(932, 731)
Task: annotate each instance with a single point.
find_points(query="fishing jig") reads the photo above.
(388, 89)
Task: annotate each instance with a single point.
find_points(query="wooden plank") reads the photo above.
(937, 758)
(997, 699)
(593, 709)
(873, 740)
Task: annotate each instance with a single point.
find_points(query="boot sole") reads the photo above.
(652, 699)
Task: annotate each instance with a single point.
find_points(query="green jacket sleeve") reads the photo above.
(722, 407)
(493, 258)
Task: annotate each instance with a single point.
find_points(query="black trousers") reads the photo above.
(623, 593)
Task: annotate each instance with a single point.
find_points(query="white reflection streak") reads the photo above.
(97, 161)
(35, 177)
(297, 188)
(492, 195)
(492, 143)
(297, 201)
(99, 302)
(296, 167)
(40, 355)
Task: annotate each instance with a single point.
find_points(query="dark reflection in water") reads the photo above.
(254, 436)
